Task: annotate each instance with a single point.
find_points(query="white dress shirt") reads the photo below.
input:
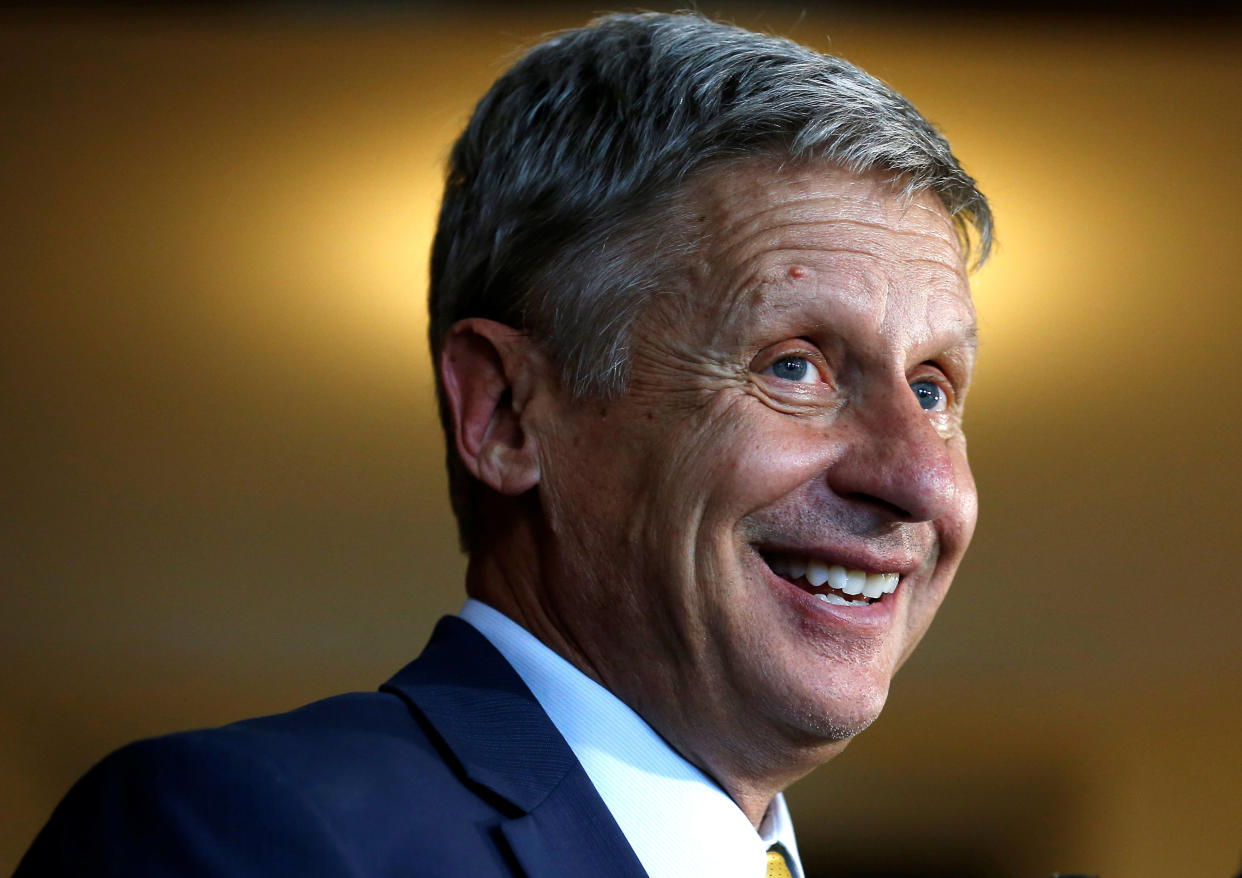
(677, 820)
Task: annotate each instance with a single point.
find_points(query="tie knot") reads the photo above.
(778, 867)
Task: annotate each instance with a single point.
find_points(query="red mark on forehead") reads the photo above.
(797, 271)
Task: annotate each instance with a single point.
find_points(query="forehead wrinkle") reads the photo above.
(753, 225)
(857, 199)
(957, 342)
(747, 238)
(762, 275)
(807, 237)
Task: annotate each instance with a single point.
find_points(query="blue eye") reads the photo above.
(931, 396)
(798, 369)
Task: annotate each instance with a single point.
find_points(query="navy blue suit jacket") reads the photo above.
(452, 768)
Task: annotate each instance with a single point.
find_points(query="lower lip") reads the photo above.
(869, 619)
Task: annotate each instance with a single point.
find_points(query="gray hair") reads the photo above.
(557, 211)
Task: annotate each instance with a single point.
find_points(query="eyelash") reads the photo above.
(940, 381)
(812, 357)
(815, 361)
(792, 358)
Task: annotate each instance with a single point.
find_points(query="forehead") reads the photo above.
(777, 238)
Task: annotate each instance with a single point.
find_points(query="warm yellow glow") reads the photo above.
(226, 489)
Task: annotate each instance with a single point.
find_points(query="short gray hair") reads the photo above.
(557, 217)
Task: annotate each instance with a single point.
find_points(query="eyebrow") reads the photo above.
(969, 342)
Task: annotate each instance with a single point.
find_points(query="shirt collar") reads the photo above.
(677, 820)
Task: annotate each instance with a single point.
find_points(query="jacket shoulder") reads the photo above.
(352, 785)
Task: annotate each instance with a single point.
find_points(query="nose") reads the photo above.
(895, 463)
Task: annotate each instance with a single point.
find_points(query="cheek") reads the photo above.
(632, 479)
(959, 527)
(588, 490)
(774, 455)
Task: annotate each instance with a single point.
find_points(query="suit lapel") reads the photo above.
(505, 742)
(561, 838)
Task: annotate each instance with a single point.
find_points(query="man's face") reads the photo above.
(794, 414)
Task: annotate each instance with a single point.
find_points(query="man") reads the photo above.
(704, 336)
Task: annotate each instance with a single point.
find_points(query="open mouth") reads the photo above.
(832, 583)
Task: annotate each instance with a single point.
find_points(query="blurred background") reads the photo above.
(223, 486)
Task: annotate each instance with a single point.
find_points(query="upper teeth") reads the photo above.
(844, 579)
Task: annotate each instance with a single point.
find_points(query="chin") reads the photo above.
(843, 722)
(837, 708)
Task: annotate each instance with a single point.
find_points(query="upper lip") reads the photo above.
(862, 558)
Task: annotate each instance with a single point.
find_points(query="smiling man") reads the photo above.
(704, 336)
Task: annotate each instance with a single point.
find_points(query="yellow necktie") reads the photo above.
(777, 867)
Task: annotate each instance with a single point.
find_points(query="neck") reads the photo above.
(752, 766)
(507, 575)
(750, 774)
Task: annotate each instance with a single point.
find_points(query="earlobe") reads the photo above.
(489, 371)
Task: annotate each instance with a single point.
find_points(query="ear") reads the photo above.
(489, 372)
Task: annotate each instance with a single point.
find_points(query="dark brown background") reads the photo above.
(223, 490)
